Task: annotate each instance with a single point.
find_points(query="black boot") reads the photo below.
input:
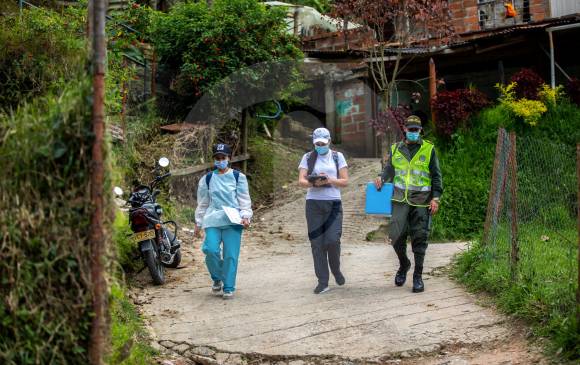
(418, 285)
(401, 275)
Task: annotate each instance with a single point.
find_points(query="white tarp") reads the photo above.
(310, 20)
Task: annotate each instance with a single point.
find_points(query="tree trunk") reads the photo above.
(97, 236)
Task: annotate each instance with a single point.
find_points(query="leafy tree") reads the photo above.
(198, 46)
(397, 24)
(41, 52)
(323, 6)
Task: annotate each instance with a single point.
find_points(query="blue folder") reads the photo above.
(379, 202)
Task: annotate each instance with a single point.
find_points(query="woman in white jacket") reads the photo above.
(223, 187)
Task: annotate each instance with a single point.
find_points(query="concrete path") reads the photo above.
(275, 317)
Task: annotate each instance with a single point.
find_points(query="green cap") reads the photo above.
(413, 121)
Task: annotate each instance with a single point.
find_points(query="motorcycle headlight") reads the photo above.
(158, 210)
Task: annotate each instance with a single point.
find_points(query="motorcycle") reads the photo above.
(159, 247)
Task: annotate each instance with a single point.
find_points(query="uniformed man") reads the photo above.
(413, 167)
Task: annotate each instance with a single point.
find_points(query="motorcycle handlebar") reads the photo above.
(159, 178)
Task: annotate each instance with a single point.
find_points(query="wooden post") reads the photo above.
(513, 169)
(432, 85)
(244, 136)
(295, 17)
(97, 235)
(492, 211)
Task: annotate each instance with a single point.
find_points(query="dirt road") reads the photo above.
(276, 319)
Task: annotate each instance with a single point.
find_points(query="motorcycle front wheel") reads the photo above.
(156, 268)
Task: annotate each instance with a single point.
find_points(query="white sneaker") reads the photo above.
(321, 289)
(216, 288)
(228, 295)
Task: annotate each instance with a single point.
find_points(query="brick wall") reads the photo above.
(466, 13)
(352, 104)
(539, 9)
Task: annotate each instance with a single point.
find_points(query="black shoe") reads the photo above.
(401, 275)
(320, 289)
(340, 280)
(418, 285)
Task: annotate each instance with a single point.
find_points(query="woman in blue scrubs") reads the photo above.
(222, 187)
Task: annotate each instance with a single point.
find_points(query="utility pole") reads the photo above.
(432, 86)
(97, 237)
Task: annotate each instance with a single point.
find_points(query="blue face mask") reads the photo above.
(322, 150)
(221, 164)
(412, 136)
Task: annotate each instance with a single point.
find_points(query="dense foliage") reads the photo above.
(41, 52)
(453, 109)
(45, 209)
(391, 120)
(466, 163)
(467, 159)
(544, 291)
(323, 6)
(528, 83)
(198, 46)
(529, 110)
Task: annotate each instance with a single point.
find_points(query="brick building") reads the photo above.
(489, 49)
(475, 15)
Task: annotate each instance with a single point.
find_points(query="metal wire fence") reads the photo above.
(531, 228)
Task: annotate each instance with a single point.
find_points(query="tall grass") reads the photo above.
(543, 291)
(45, 311)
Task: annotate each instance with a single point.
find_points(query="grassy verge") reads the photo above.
(272, 168)
(129, 338)
(544, 289)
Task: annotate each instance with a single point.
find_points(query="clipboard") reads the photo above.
(233, 215)
(379, 202)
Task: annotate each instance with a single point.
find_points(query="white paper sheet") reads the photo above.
(233, 215)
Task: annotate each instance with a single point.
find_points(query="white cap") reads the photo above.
(321, 135)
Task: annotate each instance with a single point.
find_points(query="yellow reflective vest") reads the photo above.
(412, 181)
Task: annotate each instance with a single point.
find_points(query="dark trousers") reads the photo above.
(324, 219)
(416, 221)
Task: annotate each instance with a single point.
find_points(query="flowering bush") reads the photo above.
(391, 121)
(453, 108)
(550, 96)
(528, 84)
(529, 110)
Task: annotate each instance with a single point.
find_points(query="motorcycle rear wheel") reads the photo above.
(156, 268)
(176, 260)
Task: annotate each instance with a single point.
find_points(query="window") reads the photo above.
(483, 18)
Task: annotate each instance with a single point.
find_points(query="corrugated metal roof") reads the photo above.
(464, 39)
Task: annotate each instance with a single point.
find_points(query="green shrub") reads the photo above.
(41, 52)
(466, 164)
(199, 46)
(129, 337)
(272, 166)
(45, 208)
(544, 291)
(126, 249)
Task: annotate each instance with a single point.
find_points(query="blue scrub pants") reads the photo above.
(223, 268)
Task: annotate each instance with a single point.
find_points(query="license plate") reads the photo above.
(143, 236)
